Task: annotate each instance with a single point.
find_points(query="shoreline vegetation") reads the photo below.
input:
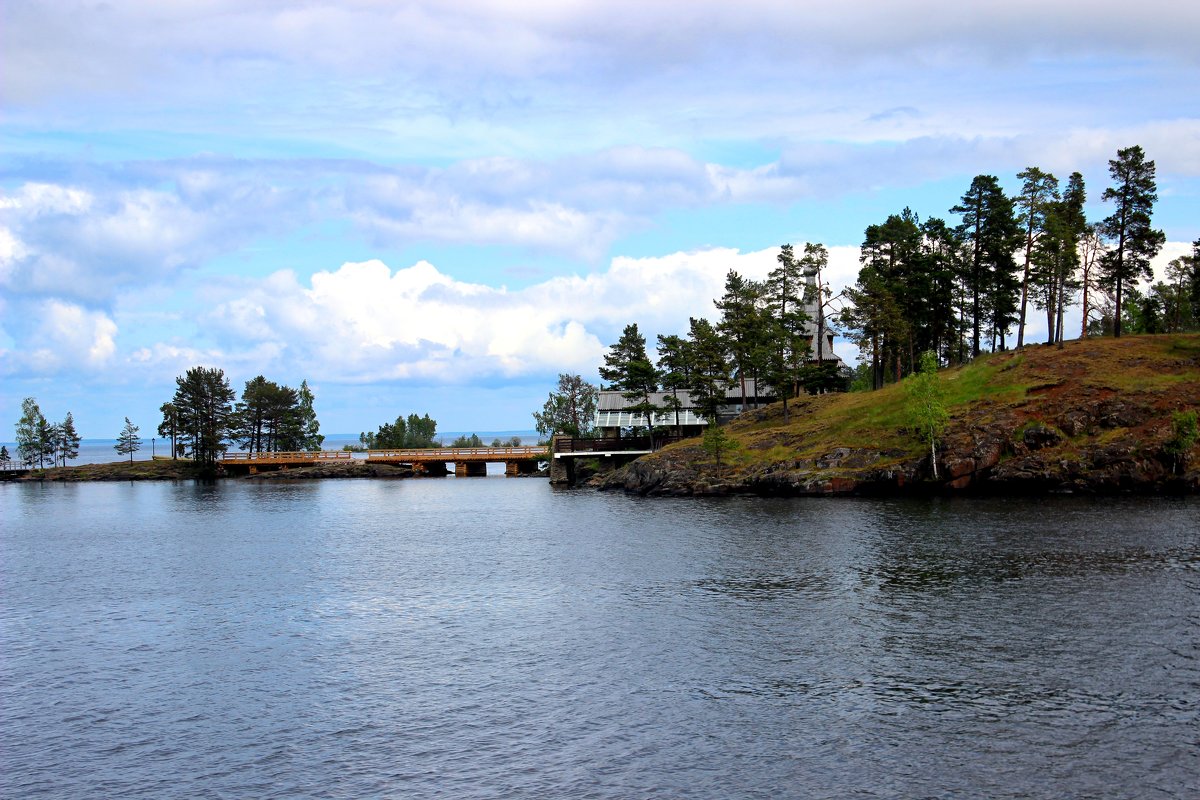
(1099, 416)
(1095, 417)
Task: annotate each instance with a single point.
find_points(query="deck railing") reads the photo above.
(416, 454)
(624, 444)
(449, 453)
(285, 456)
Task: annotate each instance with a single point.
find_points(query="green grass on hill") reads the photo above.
(1025, 385)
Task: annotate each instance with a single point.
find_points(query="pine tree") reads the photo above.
(170, 426)
(68, 439)
(46, 438)
(420, 432)
(1194, 279)
(571, 410)
(1092, 250)
(874, 322)
(893, 263)
(711, 371)
(1039, 193)
(783, 326)
(1134, 193)
(742, 326)
(942, 249)
(674, 367)
(310, 428)
(28, 436)
(128, 441)
(992, 233)
(628, 369)
(267, 418)
(204, 405)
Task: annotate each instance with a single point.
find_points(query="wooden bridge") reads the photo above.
(468, 461)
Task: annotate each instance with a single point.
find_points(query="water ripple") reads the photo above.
(481, 639)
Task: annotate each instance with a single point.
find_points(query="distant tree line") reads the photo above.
(473, 440)
(403, 434)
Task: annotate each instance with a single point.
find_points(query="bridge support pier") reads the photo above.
(470, 469)
(513, 469)
(562, 470)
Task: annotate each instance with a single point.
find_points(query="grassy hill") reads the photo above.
(1093, 416)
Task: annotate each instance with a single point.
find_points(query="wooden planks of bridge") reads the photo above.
(494, 455)
(518, 460)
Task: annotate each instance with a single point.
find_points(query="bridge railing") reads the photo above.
(285, 456)
(574, 445)
(448, 453)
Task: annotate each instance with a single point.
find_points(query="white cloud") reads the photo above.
(111, 47)
(365, 322)
(460, 80)
(85, 244)
(60, 337)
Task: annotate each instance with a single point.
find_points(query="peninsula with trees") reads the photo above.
(949, 394)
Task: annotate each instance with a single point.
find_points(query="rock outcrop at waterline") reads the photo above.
(1094, 418)
(342, 469)
(990, 462)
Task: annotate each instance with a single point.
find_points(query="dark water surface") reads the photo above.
(494, 638)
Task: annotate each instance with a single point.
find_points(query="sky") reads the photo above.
(439, 207)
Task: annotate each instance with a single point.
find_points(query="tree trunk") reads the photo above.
(1120, 277)
(1025, 280)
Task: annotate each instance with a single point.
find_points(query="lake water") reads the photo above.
(494, 638)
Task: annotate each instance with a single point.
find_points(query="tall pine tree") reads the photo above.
(628, 369)
(991, 231)
(204, 407)
(1039, 193)
(1133, 193)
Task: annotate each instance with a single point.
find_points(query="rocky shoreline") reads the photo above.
(991, 468)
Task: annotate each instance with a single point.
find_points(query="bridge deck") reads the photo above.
(460, 454)
(404, 456)
(306, 458)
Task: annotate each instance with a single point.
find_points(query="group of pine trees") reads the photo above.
(202, 417)
(926, 286)
(958, 291)
(1170, 306)
(40, 441)
(764, 334)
